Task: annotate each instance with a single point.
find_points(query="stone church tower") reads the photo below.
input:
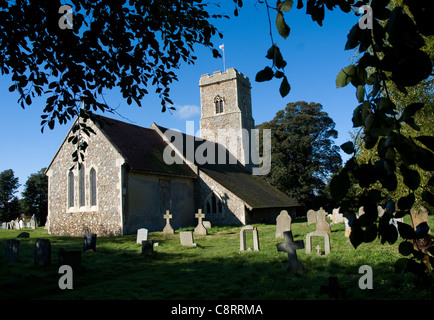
(226, 112)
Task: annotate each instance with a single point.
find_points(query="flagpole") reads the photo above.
(222, 47)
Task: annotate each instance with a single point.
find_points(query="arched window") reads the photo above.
(70, 189)
(213, 204)
(81, 186)
(92, 183)
(218, 101)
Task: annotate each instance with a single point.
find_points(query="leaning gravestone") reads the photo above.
(311, 216)
(142, 235)
(186, 238)
(243, 238)
(290, 247)
(89, 242)
(42, 252)
(12, 251)
(168, 228)
(283, 223)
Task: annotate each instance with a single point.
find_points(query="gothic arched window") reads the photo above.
(70, 189)
(92, 182)
(81, 186)
(219, 101)
(213, 204)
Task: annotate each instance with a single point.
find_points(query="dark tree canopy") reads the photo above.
(35, 196)
(9, 205)
(303, 154)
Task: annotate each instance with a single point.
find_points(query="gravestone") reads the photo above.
(200, 229)
(23, 235)
(70, 258)
(317, 233)
(311, 216)
(347, 228)
(42, 252)
(380, 211)
(142, 234)
(4, 225)
(418, 216)
(337, 217)
(12, 251)
(243, 238)
(168, 228)
(186, 238)
(89, 241)
(291, 247)
(207, 224)
(321, 223)
(147, 247)
(283, 223)
(318, 250)
(32, 224)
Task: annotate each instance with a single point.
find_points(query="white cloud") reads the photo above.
(186, 111)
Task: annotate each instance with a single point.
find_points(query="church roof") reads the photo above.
(142, 148)
(251, 189)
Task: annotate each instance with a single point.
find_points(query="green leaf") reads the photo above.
(348, 147)
(353, 37)
(285, 6)
(428, 141)
(281, 25)
(339, 185)
(411, 177)
(360, 94)
(405, 248)
(405, 203)
(264, 75)
(345, 75)
(284, 87)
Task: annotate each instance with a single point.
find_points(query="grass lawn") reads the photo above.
(215, 269)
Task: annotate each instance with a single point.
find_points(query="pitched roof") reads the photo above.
(142, 148)
(252, 190)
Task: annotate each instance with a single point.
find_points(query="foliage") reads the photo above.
(35, 196)
(9, 205)
(395, 53)
(303, 154)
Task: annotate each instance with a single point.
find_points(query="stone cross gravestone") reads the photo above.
(147, 247)
(200, 229)
(243, 238)
(168, 228)
(321, 223)
(311, 216)
(283, 223)
(89, 241)
(290, 247)
(42, 252)
(186, 238)
(317, 233)
(12, 251)
(142, 234)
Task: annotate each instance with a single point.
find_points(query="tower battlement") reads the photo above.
(218, 76)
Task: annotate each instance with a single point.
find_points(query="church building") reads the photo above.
(131, 175)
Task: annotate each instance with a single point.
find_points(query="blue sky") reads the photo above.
(314, 55)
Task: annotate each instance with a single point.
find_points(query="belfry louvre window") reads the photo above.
(218, 101)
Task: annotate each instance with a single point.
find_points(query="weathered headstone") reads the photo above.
(418, 216)
(311, 216)
(168, 228)
(42, 252)
(12, 252)
(147, 246)
(142, 234)
(337, 217)
(243, 238)
(321, 223)
(290, 247)
(318, 234)
(207, 224)
(361, 211)
(283, 223)
(70, 258)
(89, 241)
(4, 225)
(186, 238)
(33, 224)
(347, 228)
(380, 211)
(200, 229)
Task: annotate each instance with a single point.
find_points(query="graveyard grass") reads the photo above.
(215, 269)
